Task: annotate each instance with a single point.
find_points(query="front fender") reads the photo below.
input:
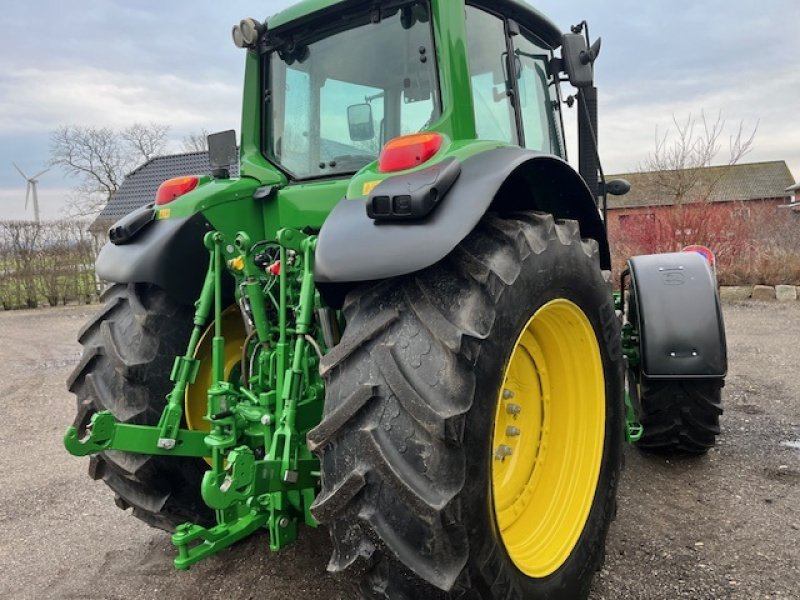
(678, 316)
(352, 247)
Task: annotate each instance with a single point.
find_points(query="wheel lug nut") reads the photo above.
(507, 394)
(512, 431)
(502, 451)
(513, 409)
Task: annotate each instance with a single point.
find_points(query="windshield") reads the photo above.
(333, 102)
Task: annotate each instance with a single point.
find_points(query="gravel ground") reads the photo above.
(723, 526)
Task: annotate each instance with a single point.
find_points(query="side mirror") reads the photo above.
(618, 187)
(360, 122)
(222, 153)
(578, 59)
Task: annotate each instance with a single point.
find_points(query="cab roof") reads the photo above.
(519, 10)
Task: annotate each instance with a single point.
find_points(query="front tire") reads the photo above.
(414, 403)
(679, 416)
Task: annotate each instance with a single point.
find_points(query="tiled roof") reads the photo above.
(749, 181)
(140, 185)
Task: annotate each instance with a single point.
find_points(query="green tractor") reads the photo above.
(398, 321)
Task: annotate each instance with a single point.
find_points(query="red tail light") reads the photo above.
(175, 188)
(409, 151)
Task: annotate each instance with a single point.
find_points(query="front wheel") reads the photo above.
(472, 433)
(679, 416)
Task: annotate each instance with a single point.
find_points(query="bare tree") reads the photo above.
(149, 140)
(684, 172)
(196, 142)
(677, 168)
(100, 157)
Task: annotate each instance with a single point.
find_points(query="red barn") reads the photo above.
(734, 210)
(710, 205)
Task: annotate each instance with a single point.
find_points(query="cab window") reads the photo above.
(538, 96)
(487, 53)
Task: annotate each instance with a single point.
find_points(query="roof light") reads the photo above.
(238, 38)
(251, 30)
(409, 151)
(175, 188)
(247, 32)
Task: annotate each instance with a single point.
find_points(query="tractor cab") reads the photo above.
(343, 80)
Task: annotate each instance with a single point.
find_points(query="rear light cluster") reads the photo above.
(175, 188)
(409, 151)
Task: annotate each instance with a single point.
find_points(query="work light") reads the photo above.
(238, 38)
(250, 29)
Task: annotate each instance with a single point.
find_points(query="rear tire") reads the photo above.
(406, 440)
(128, 351)
(680, 416)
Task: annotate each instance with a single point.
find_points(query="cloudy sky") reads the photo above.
(115, 62)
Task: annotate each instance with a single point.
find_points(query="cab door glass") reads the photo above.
(487, 52)
(335, 143)
(538, 96)
(293, 146)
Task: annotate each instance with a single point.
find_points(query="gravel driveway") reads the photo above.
(723, 526)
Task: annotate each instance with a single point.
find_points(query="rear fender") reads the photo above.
(676, 309)
(353, 247)
(168, 253)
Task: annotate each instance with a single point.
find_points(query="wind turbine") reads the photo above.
(32, 190)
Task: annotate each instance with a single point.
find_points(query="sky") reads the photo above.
(115, 62)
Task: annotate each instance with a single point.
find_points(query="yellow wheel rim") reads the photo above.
(196, 398)
(548, 438)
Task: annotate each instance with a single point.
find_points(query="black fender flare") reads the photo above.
(677, 312)
(168, 253)
(353, 248)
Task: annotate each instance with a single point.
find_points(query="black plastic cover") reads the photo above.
(128, 226)
(414, 195)
(352, 247)
(682, 335)
(168, 253)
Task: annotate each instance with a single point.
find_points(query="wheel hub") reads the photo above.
(548, 438)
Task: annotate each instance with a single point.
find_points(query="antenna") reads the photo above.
(32, 189)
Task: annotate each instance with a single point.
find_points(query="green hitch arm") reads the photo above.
(302, 327)
(105, 433)
(184, 371)
(284, 443)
